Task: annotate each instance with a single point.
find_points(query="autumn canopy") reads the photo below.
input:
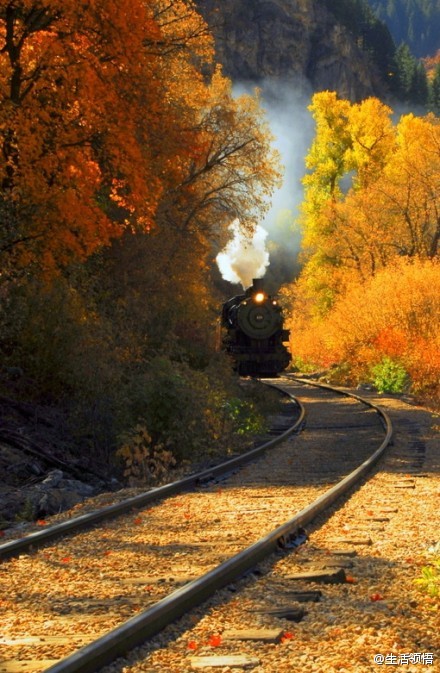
(104, 110)
(125, 158)
(368, 296)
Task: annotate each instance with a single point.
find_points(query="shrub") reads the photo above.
(390, 322)
(389, 376)
(245, 416)
(429, 582)
(143, 462)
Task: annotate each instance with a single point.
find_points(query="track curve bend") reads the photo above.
(292, 484)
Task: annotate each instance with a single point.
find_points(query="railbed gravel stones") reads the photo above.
(378, 611)
(342, 632)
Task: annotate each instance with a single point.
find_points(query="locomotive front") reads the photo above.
(255, 333)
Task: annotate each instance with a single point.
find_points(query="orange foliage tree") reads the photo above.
(224, 168)
(127, 152)
(125, 156)
(395, 316)
(86, 102)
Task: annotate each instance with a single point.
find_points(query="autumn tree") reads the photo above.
(351, 146)
(398, 213)
(83, 109)
(371, 193)
(139, 159)
(386, 325)
(166, 291)
(216, 163)
(365, 302)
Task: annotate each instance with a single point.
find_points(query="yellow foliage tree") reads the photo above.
(372, 193)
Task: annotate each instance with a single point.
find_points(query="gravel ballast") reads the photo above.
(389, 524)
(379, 612)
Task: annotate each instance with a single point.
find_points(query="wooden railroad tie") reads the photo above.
(263, 635)
(230, 661)
(335, 577)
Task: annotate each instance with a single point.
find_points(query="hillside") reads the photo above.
(415, 22)
(300, 41)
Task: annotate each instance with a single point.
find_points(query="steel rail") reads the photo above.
(34, 540)
(384, 417)
(136, 630)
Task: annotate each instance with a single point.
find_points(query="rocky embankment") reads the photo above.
(40, 473)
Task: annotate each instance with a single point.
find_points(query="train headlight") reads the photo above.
(259, 297)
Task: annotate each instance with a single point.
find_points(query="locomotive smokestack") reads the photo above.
(257, 284)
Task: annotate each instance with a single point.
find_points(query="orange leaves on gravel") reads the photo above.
(66, 559)
(192, 645)
(376, 597)
(215, 641)
(138, 520)
(41, 522)
(350, 579)
(287, 635)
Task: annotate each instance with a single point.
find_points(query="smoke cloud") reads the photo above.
(286, 107)
(245, 256)
(273, 250)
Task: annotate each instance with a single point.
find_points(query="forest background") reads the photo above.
(125, 159)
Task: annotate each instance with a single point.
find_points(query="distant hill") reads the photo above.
(327, 44)
(414, 22)
(314, 45)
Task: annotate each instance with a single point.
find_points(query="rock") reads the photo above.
(79, 487)
(54, 501)
(52, 480)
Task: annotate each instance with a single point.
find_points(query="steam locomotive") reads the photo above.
(254, 332)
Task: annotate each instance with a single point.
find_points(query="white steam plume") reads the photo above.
(286, 106)
(245, 256)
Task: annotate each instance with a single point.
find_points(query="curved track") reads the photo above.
(291, 423)
(289, 486)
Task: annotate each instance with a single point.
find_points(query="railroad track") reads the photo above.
(291, 420)
(79, 604)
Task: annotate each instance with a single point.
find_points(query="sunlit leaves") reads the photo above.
(73, 86)
(391, 320)
(93, 120)
(371, 195)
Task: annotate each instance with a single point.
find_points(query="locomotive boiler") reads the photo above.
(255, 335)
